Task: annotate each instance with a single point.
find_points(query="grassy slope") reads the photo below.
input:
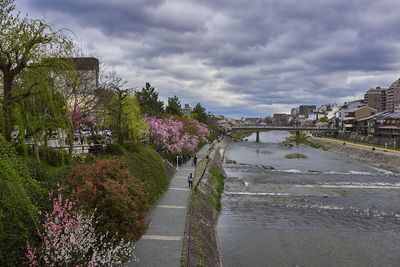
(217, 186)
(147, 165)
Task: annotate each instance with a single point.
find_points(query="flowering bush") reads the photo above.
(109, 188)
(69, 240)
(174, 134)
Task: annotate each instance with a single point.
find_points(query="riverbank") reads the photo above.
(204, 248)
(380, 159)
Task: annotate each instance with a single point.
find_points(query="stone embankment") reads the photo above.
(380, 159)
(204, 249)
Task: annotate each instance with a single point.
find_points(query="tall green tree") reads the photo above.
(23, 41)
(174, 106)
(123, 111)
(148, 101)
(199, 113)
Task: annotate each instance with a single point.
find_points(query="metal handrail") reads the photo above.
(191, 213)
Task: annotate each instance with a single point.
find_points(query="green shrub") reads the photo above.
(25, 150)
(148, 166)
(90, 159)
(18, 215)
(114, 149)
(110, 190)
(54, 157)
(131, 146)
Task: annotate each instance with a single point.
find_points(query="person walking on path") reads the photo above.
(195, 160)
(190, 180)
(179, 161)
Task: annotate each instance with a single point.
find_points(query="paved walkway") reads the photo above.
(163, 241)
(367, 146)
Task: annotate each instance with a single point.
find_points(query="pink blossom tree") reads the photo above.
(69, 239)
(172, 135)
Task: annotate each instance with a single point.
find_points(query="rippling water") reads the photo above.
(321, 211)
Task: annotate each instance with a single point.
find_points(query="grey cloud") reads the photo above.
(277, 52)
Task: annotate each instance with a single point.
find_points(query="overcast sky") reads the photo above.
(238, 57)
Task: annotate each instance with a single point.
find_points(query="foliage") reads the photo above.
(54, 157)
(109, 188)
(175, 134)
(174, 107)
(148, 101)
(42, 110)
(199, 113)
(131, 146)
(23, 41)
(212, 125)
(114, 149)
(147, 165)
(323, 119)
(69, 239)
(89, 159)
(18, 217)
(123, 111)
(217, 185)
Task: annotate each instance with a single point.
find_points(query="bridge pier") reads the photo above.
(297, 136)
(258, 136)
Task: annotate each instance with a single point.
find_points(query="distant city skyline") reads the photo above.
(237, 58)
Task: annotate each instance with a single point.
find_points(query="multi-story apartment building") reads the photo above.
(376, 98)
(352, 116)
(393, 96)
(349, 106)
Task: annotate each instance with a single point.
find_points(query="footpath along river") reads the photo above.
(324, 210)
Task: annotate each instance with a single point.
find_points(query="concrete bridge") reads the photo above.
(260, 127)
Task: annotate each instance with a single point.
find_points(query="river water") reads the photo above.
(324, 210)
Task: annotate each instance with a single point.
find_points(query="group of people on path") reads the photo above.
(186, 157)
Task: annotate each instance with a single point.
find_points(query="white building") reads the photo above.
(313, 116)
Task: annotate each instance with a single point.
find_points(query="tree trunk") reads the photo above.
(7, 107)
(71, 140)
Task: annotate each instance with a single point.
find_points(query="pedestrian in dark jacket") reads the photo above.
(179, 161)
(190, 181)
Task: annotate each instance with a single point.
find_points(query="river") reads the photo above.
(324, 210)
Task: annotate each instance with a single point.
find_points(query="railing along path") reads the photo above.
(191, 210)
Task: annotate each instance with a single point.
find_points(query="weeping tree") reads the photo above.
(23, 41)
(122, 110)
(43, 111)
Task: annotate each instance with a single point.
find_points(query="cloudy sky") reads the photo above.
(238, 57)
